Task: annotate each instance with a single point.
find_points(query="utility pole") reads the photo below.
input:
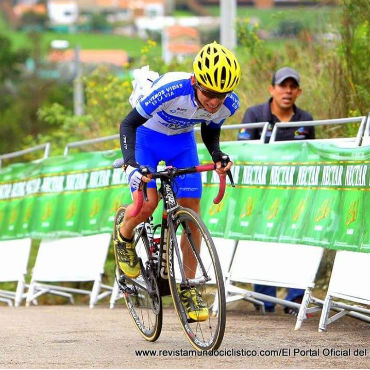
(169, 6)
(78, 92)
(227, 23)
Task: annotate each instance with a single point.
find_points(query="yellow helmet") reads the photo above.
(216, 68)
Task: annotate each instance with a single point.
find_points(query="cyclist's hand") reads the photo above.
(222, 161)
(135, 175)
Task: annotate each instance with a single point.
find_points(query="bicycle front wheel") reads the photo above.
(141, 295)
(193, 264)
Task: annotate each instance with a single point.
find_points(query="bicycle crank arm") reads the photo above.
(194, 282)
(122, 284)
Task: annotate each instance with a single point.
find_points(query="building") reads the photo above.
(93, 57)
(22, 8)
(132, 8)
(179, 42)
(62, 12)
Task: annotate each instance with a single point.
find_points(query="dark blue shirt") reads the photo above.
(262, 113)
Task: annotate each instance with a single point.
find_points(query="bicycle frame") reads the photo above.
(173, 267)
(170, 205)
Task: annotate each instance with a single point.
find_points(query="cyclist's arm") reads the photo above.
(211, 138)
(128, 135)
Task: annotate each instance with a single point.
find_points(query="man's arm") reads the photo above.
(128, 136)
(311, 129)
(248, 133)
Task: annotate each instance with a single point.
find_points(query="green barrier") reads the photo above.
(307, 193)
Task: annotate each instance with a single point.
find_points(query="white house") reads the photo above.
(62, 12)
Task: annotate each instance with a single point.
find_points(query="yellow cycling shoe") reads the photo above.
(194, 304)
(126, 257)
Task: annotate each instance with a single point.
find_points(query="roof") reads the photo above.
(63, 2)
(25, 8)
(183, 48)
(176, 31)
(116, 57)
(123, 4)
(183, 40)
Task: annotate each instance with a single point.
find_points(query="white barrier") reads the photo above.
(275, 264)
(70, 259)
(350, 281)
(14, 256)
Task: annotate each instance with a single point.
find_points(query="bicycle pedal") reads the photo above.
(122, 280)
(122, 285)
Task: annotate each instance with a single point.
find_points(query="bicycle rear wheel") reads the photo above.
(206, 277)
(141, 295)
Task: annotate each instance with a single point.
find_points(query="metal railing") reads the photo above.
(366, 137)
(356, 140)
(76, 144)
(45, 147)
(362, 131)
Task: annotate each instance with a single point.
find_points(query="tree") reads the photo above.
(10, 61)
(354, 52)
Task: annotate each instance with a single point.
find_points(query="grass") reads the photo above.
(132, 45)
(315, 18)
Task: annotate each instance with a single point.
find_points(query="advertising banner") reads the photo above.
(301, 193)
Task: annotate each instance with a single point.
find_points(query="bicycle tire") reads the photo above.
(145, 311)
(203, 335)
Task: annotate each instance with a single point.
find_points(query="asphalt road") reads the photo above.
(68, 336)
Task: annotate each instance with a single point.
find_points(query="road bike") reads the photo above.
(162, 267)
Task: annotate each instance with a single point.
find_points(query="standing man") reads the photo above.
(284, 91)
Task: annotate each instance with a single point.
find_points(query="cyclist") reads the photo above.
(160, 128)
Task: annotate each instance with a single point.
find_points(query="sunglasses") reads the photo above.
(212, 94)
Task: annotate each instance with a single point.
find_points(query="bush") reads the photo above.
(289, 28)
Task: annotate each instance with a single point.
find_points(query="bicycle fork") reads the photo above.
(185, 282)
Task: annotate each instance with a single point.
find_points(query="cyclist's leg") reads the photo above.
(190, 262)
(129, 223)
(126, 256)
(147, 155)
(189, 191)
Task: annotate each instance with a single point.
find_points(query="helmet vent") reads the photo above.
(217, 58)
(223, 77)
(206, 62)
(203, 79)
(209, 77)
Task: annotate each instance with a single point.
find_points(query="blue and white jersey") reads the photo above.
(171, 107)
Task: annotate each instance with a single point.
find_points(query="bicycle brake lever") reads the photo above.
(230, 176)
(145, 192)
(144, 186)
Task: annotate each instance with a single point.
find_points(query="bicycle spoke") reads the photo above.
(141, 294)
(205, 332)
